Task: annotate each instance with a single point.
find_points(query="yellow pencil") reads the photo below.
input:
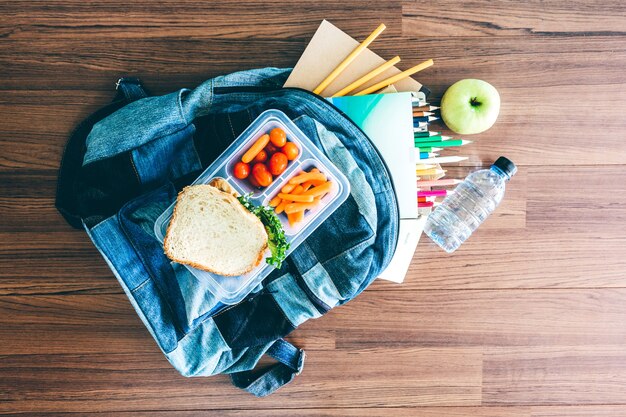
(393, 61)
(396, 78)
(432, 171)
(348, 60)
(421, 167)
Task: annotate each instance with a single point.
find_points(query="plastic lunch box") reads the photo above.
(231, 290)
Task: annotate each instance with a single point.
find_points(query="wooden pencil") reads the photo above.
(425, 107)
(348, 60)
(396, 78)
(426, 119)
(373, 73)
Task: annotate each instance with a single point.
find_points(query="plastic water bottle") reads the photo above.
(473, 200)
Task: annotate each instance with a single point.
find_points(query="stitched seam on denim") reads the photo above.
(367, 241)
(92, 229)
(318, 303)
(138, 287)
(276, 302)
(179, 102)
(231, 125)
(132, 163)
(282, 312)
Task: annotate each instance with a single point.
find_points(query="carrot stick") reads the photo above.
(287, 188)
(295, 207)
(255, 148)
(275, 201)
(281, 207)
(320, 189)
(295, 217)
(307, 176)
(297, 197)
(298, 216)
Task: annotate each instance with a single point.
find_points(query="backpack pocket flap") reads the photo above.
(134, 125)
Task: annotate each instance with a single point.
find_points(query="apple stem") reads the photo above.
(474, 102)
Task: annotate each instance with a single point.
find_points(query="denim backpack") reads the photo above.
(123, 166)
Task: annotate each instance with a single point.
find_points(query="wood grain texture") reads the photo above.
(527, 319)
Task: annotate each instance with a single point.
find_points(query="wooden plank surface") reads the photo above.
(527, 319)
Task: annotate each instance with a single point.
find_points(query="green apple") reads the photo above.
(470, 106)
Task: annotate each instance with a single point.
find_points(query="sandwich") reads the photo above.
(215, 230)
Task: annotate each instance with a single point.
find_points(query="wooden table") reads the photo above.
(526, 319)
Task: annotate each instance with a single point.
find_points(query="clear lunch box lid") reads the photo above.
(231, 290)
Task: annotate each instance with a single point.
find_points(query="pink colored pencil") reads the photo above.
(438, 183)
(426, 204)
(432, 193)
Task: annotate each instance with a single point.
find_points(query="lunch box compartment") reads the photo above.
(309, 215)
(231, 290)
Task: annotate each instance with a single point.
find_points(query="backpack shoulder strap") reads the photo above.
(290, 363)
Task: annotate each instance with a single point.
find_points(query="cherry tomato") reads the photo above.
(261, 174)
(271, 149)
(242, 170)
(278, 137)
(278, 163)
(261, 157)
(290, 150)
(254, 182)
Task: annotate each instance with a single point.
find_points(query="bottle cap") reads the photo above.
(506, 166)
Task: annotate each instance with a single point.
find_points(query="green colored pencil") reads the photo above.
(446, 144)
(431, 139)
(425, 134)
(428, 148)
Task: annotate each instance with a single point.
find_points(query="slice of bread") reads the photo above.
(210, 230)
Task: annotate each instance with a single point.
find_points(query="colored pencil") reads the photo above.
(432, 171)
(422, 113)
(426, 155)
(396, 78)
(432, 193)
(431, 139)
(425, 204)
(420, 129)
(438, 183)
(417, 125)
(373, 73)
(425, 134)
(421, 166)
(446, 144)
(421, 199)
(421, 149)
(425, 107)
(444, 160)
(426, 119)
(348, 60)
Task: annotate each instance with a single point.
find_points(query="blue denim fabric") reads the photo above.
(199, 335)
